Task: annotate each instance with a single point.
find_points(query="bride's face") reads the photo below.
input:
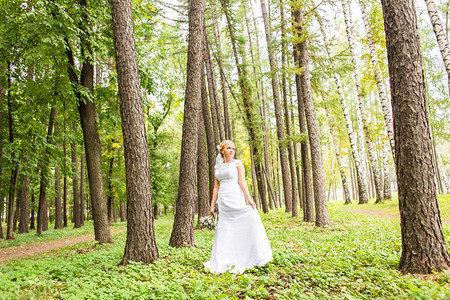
(229, 152)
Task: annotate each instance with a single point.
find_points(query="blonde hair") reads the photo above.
(224, 144)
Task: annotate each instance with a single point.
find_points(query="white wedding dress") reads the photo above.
(240, 240)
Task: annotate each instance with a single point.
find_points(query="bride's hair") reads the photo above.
(225, 144)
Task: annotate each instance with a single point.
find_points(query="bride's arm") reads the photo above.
(243, 183)
(214, 197)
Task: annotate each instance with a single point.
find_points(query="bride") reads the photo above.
(240, 240)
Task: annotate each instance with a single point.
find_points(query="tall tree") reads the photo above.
(287, 187)
(361, 107)
(320, 204)
(58, 204)
(183, 227)
(360, 176)
(42, 207)
(202, 172)
(75, 190)
(24, 199)
(141, 243)
(423, 242)
(382, 94)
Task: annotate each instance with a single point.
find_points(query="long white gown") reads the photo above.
(240, 240)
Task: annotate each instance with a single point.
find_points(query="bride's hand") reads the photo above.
(211, 211)
(252, 204)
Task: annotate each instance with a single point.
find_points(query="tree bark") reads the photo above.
(360, 175)
(308, 198)
(209, 135)
(287, 186)
(320, 204)
(58, 204)
(42, 208)
(249, 110)
(183, 227)
(386, 174)
(345, 187)
(356, 75)
(423, 243)
(82, 205)
(109, 197)
(75, 190)
(32, 212)
(202, 172)
(382, 94)
(141, 244)
(24, 197)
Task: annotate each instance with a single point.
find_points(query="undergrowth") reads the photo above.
(354, 259)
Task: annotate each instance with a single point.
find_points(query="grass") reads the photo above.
(391, 207)
(355, 259)
(51, 234)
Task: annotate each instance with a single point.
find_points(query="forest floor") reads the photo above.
(9, 253)
(27, 250)
(356, 258)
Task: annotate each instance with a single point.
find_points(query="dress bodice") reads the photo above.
(227, 172)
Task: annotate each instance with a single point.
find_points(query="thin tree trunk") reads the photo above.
(249, 109)
(109, 187)
(361, 177)
(202, 172)
(183, 227)
(308, 198)
(423, 242)
(123, 212)
(64, 205)
(356, 75)
(222, 76)
(209, 135)
(75, 190)
(441, 36)
(141, 244)
(320, 204)
(382, 94)
(24, 220)
(287, 186)
(32, 212)
(286, 114)
(214, 96)
(58, 204)
(42, 211)
(82, 205)
(345, 187)
(386, 174)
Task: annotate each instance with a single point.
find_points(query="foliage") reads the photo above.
(356, 259)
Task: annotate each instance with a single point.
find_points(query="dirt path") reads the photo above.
(381, 214)
(7, 254)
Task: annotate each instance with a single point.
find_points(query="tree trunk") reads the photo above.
(356, 75)
(360, 175)
(441, 36)
(320, 204)
(209, 135)
(141, 244)
(75, 190)
(213, 93)
(14, 171)
(382, 94)
(58, 204)
(24, 220)
(386, 174)
(42, 208)
(123, 212)
(345, 187)
(202, 172)
(32, 212)
(183, 227)
(423, 243)
(249, 110)
(308, 198)
(287, 187)
(82, 205)
(17, 209)
(109, 197)
(222, 76)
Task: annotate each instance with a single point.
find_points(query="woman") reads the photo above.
(240, 242)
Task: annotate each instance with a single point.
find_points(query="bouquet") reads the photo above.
(208, 222)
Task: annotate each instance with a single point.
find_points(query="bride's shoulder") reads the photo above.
(238, 162)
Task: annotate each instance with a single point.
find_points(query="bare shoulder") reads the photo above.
(239, 164)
